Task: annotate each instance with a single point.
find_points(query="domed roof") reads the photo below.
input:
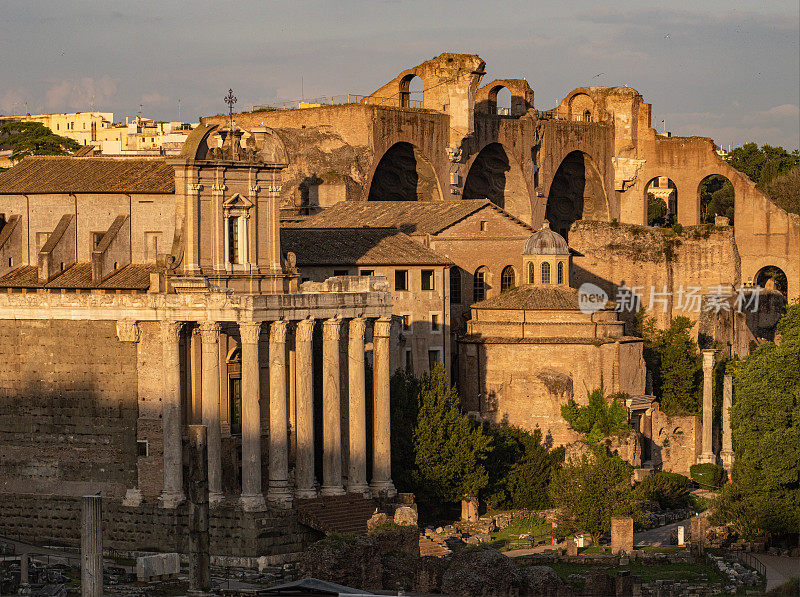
(545, 242)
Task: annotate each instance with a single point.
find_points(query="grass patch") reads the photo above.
(532, 525)
(702, 573)
(662, 548)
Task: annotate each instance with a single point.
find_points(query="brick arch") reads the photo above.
(576, 192)
(403, 172)
(521, 96)
(495, 174)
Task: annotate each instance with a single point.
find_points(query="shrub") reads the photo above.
(670, 490)
(597, 420)
(677, 227)
(707, 474)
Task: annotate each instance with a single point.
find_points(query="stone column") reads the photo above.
(209, 332)
(172, 494)
(357, 457)
(331, 410)
(381, 484)
(708, 406)
(252, 498)
(278, 492)
(92, 546)
(304, 378)
(199, 570)
(24, 579)
(727, 440)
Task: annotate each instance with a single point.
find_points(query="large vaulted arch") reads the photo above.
(404, 174)
(576, 193)
(496, 177)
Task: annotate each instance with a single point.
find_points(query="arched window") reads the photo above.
(508, 279)
(587, 116)
(545, 273)
(479, 286)
(560, 272)
(531, 276)
(455, 285)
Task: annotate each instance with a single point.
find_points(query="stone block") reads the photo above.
(681, 535)
(572, 548)
(158, 566)
(405, 516)
(621, 534)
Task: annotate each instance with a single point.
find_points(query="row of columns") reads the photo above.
(279, 491)
(707, 454)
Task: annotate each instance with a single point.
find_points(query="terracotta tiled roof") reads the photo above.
(135, 276)
(533, 298)
(412, 217)
(66, 174)
(359, 246)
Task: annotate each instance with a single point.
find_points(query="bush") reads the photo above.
(670, 490)
(677, 228)
(597, 420)
(707, 474)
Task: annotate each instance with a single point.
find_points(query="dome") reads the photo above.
(545, 242)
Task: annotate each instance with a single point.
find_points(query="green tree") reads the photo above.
(672, 358)
(656, 210)
(784, 190)
(34, 138)
(598, 419)
(764, 496)
(451, 449)
(762, 164)
(520, 468)
(588, 492)
(716, 198)
(404, 392)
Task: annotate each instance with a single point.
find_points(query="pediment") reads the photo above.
(237, 201)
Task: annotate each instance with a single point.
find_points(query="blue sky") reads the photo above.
(728, 69)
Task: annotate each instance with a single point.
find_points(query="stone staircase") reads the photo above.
(431, 547)
(347, 513)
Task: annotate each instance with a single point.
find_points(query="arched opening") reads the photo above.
(581, 107)
(404, 174)
(494, 176)
(508, 279)
(662, 201)
(500, 101)
(412, 92)
(545, 273)
(479, 285)
(531, 273)
(772, 277)
(560, 272)
(576, 193)
(234, 365)
(716, 198)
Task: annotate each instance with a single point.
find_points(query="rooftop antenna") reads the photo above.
(230, 99)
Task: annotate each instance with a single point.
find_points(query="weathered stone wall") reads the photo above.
(68, 408)
(56, 521)
(676, 441)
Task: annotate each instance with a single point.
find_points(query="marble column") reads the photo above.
(304, 390)
(209, 333)
(92, 546)
(278, 491)
(357, 410)
(252, 498)
(331, 410)
(727, 441)
(199, 567)
(381, 484)
(172, 494)
(708, 407)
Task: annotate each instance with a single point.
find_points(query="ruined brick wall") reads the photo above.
(676, 441)
(56, 521)
(68, 408)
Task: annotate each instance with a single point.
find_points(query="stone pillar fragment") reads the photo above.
(304, 389)
(707, 454)
(199, 568)
(381, 484)
(331, 410)
(209, 332)
(278, 491)
(91, 546)
(24, 577)
(727, 440)
(252, 498)
(172, 494)
(357, 458)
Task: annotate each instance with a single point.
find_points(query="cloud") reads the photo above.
(12, 101)
(780, 112)
(68, 95)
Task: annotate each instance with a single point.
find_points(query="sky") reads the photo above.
(726, 69)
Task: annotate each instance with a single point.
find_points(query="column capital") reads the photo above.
(305, 330)
(382, 327)
(331, 329)
(171, 330)
(357, 327)
(277, 332)
(250, 331)
(127, 330)
(209, 331)
(709, 355)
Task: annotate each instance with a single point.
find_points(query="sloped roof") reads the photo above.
(356, 246)
(533, 297)
(135, 276)
(68, 174)
(411, 217)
